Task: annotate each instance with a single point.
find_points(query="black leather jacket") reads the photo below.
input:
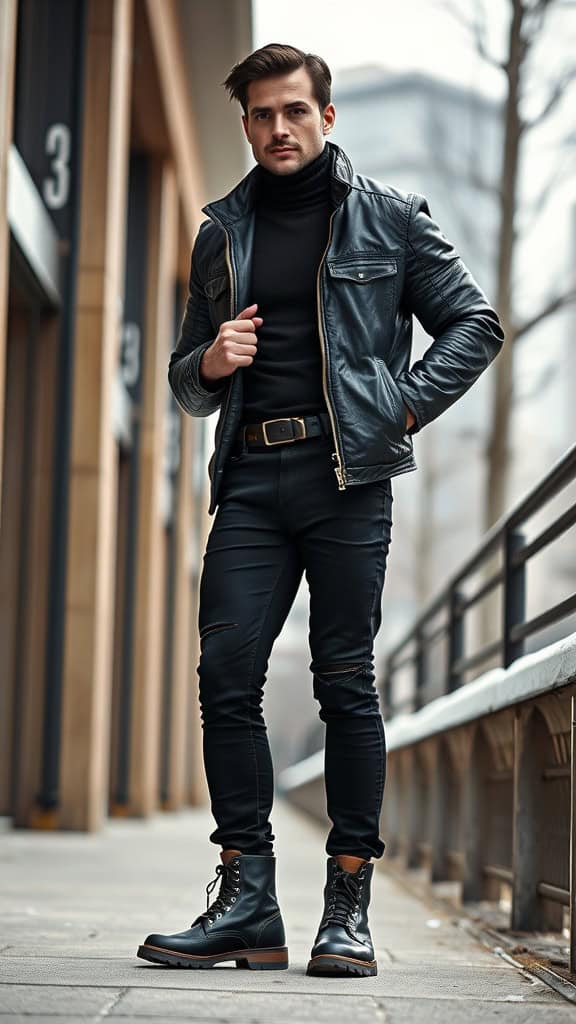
(386, 259)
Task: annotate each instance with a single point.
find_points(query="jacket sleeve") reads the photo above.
(442, 293)
(196, 334)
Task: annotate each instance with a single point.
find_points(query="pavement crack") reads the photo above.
(380, 1009)
(111, 1005)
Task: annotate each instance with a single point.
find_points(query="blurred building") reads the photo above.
(113, 131)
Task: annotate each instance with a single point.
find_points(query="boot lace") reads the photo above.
(343, 902)
(229, 875)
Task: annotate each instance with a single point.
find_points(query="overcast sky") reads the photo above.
(396, 34)
(407, 34)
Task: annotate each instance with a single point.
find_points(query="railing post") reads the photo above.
(455, 639)
(527, 773)
(514, 604)
(420, 674)
(387, 709)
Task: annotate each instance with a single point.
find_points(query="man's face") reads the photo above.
(284, 124)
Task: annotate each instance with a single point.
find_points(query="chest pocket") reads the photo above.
(215, 286)
(365, 287)
(363, 269)
(216, 290)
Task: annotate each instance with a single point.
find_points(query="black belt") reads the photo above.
(284, 430)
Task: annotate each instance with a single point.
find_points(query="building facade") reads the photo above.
(111, 123)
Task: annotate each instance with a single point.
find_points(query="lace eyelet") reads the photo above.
(233, 899)
(218, 915)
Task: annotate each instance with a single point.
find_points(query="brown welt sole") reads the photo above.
(329, 963)
(275, 958)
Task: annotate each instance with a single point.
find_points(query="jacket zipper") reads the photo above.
(231, 274)
(232, 303)
(336, 455)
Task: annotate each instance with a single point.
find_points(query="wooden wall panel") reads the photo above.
(180, 634)
(36, 532)
(8, 10)
(10, 547)
(197, 784)
(92, 526)
(150, 571)
(170, 56)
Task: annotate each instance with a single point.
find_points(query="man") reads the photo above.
(298, 326)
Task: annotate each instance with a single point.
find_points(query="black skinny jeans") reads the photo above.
(281, 514)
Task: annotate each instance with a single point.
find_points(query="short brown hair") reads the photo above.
(278, 59)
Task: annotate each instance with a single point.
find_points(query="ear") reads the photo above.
(328, 118)
(245, 127)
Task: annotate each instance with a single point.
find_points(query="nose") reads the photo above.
(279, 130)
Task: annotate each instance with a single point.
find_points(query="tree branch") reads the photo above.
(531, 211)
(536, 386)
(552, 306)
(476, 29)
(554, 98)
(534, 17)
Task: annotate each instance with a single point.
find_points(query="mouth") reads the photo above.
(283, 149)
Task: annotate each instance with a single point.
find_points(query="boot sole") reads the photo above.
(274, 958)
(334, 964)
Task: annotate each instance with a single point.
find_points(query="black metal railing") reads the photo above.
(453, 603)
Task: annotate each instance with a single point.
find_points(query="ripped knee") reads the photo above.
(337, 672)
(216, 627)
(345, 688)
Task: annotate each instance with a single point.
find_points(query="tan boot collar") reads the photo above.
(227, 855)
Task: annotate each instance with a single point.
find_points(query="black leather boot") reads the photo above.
(343, 944)
(243, 923)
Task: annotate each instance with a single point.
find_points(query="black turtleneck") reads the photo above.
(291, 231)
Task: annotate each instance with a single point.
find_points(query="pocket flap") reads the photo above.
(215, 286)
(362, 270)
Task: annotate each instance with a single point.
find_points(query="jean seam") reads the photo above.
(371, 638)
(381, 776)
(250, 686)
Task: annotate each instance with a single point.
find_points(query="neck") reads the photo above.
(303, 188)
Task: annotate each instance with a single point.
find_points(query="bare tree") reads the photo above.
(528, 19)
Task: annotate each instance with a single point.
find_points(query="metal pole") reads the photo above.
(455, 640)
(514, 596)
(387, 709)
(420, 675)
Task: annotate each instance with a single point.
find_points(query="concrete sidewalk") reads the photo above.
(74, 909)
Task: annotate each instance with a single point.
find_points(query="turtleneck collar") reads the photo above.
(306, 187)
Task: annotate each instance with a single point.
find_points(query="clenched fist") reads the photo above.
(234, 346)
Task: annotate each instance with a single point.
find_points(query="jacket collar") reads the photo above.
(240, 201)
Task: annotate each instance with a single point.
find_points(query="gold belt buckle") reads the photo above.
(283, 419)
